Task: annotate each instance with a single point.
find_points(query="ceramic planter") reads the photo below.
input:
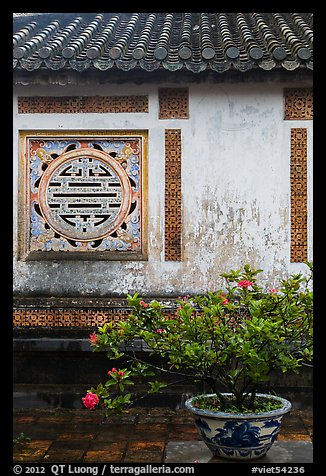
(239, 436)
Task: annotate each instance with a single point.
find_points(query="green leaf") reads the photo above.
(156, 386)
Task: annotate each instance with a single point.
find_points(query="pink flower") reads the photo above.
(273, 290)
(121, 373)
(187, 296)
(112, 371)
(244, 284)
(159, 330)
(143, 304)
(184, 298)
(90, 400)
(92, 338)
(225, 301)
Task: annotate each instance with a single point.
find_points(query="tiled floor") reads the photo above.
(140, 436)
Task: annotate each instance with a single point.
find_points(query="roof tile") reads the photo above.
(192, 41)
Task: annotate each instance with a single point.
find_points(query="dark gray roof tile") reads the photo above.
(192, 41)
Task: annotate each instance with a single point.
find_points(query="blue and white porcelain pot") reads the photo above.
(239, 436)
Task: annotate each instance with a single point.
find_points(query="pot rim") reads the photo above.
(240, 416)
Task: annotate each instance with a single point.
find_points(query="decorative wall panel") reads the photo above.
(66, 317)
(298, 103)
(173, 103)
(70, 317)
(173, 195)
(83, 194)
(81, 104)
(298, 178)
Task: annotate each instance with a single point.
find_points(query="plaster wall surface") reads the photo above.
(235, 191)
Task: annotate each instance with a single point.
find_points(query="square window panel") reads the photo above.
(83, 194)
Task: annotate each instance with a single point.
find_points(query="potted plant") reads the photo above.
(230, 341)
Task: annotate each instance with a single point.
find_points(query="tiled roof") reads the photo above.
(174, 41)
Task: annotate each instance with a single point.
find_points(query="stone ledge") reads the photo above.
(60, 395)
(83, 302)
(288, 452)
(62, 344)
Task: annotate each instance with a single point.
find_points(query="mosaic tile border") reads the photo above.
(298, 179)
(81, 104)
(173, 219)
(68, 317)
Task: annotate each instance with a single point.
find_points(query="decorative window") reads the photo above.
(298, 104)
(81, 104)
(173, 220)
(173, 103)
(299, 211)
(83, 194)
(71, 315)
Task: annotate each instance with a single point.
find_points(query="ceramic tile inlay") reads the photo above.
(81, 104)
(298, 104)
(67, 317)
(70, 317)
(298, 178)
(173, 103)
(84, 194)
(173, 194)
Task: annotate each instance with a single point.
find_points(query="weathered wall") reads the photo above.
(235, 191)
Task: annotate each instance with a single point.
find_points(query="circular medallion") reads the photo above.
(84, 194)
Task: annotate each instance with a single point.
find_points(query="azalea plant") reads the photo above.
(230, 340)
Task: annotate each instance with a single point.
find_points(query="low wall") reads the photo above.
(56, 371)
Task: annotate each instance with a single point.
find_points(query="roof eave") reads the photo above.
(43, 76)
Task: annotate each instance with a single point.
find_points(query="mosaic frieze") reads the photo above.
(81, 104)
(298, 104)
(84, 195)
(66, 317)
(69, 317)
(298, 178)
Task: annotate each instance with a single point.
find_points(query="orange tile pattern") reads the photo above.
(173, 220)
(298, 103)
(67, 317)
(81, 104)
(173, 103)
(298, 179)
(70, 317)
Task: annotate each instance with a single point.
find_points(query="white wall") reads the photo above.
(235, 190)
